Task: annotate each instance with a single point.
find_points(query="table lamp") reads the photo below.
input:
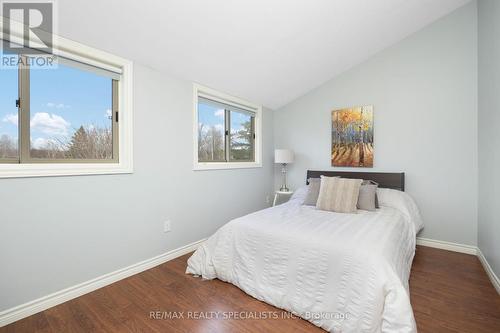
(283, 157)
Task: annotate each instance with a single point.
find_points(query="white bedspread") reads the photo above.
(343, 272)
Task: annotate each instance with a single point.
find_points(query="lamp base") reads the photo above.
(283, 185)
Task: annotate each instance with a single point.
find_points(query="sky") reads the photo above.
(62, 100)
(212, 116)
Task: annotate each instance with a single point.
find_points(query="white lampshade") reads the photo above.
(283, 156)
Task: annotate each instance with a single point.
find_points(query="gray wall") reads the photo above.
(424, 92)
(489, 129)
(60, 231)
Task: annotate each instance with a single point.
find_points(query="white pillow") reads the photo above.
(300, 193)
(404, 203)
(338, 194)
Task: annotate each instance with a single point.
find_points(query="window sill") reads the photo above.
(62, 169)
(224, 165)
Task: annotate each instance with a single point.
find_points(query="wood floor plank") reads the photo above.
(450, 293)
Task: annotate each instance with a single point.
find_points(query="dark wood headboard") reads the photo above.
(395, 181)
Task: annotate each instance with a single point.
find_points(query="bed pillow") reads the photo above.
(312, 191)
(367, 196)
(338, 194)
(371, 182)
(299, 194)
(402, 202)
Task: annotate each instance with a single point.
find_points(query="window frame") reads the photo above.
(122, 136)
(205, 92)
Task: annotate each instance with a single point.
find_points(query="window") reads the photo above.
(226, 131)
(72, 115)
(74, 118)
(9, 117)
(66, 114)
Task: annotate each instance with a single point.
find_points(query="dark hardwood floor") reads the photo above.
(450, 292)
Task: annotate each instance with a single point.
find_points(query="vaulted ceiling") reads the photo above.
(266, 51)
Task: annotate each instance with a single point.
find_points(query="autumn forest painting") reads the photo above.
(352, 137)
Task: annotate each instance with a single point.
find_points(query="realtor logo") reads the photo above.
(36, 20)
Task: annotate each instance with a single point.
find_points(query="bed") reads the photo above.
(342, 272)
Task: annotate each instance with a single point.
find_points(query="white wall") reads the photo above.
(489, 129)
(424, 92)
(60, 231)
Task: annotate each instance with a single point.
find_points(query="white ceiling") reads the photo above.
(267, 51)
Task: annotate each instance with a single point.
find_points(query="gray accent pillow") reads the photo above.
(312, 191)
(367, 199)
(371, 182)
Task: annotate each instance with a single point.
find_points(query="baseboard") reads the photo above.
(24, 310)
(455, 247)
(493, 277)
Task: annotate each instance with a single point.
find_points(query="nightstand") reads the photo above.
(281, 197)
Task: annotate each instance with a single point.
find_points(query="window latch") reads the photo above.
(18, 103)
(116, 116)
(227, 132)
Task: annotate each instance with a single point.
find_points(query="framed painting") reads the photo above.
(352, 137)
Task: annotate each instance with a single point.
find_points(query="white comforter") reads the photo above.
(342, 272)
